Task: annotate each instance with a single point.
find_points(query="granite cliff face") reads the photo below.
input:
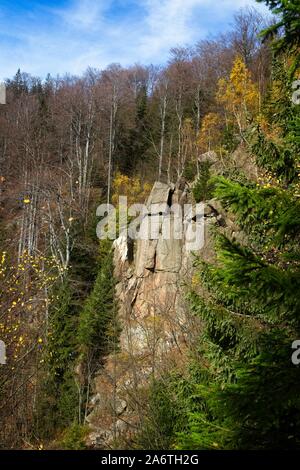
(152, 275)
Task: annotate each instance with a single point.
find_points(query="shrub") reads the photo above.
(203, 188)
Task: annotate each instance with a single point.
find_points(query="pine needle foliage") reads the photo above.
(245, 387)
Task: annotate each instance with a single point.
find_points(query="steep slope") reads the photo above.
(153, 275)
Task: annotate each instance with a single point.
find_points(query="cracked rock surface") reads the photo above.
(152, 313)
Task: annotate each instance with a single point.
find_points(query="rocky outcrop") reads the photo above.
(153, 274)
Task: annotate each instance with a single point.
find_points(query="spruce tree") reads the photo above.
(245, 385)
(285, 31)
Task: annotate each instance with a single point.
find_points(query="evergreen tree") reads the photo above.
(135, 145)
(98, 330)
(286, 30)
(18, 84)
(248, 392)
(245, 387)
(276, 144)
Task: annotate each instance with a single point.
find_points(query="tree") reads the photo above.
(285, 32)
(251, 315)
(163, 104)
(245, 388)
(70, 143)
(244, 37)
(138, 135)
(239, 95)
(210, 132)
(131, 187)
(275, 144)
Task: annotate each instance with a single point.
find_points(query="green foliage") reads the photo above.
(165, 414)
(264, 401)
(262, 212)
(258, 407)
(277, 147)
(133, 147)
(277, 106)
(202, 189)
(229, 138)
(58, 394)
(241, 390)
(249, 307)
(73, 438)
(80, 329)
(190, 171)
(245, 386)
(97, 329)
(274, 157)
(289, 24)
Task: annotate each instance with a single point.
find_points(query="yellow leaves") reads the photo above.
(240, 76)
(210, 120)
(195, 280)
(210, 132)
(263, 123)
(241, 88)
(22, 293)
(239, 94)
(3, 257)
(133, 188)
(267, 180)
(272, 131)
(188, 129)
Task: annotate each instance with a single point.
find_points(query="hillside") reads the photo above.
(149, 264)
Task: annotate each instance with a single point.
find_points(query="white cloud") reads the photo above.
(179, 22)
(87, 33)
(84, 13)
(167, 24)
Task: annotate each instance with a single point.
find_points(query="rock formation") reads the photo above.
(152, 275)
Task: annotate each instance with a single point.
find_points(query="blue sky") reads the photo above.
(60, 36)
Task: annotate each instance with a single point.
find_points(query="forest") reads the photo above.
(220, 121)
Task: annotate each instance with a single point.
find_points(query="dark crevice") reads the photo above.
(170, 197)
